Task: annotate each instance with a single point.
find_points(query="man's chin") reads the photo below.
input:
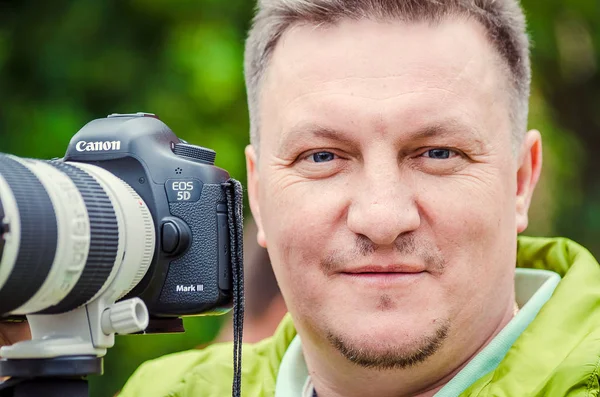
(382, 349)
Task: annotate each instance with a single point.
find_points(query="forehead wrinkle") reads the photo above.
(324, 93)
(393, 84)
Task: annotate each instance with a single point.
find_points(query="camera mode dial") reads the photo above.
(197, 153)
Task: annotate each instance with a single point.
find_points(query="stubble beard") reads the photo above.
(391, 356)
(388, 356)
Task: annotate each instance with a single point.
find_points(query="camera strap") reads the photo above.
(235, 217)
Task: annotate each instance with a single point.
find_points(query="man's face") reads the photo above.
(386, 189)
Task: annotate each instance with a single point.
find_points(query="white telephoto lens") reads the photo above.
(73, 231)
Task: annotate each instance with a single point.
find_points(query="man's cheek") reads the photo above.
(301, 242)
(301, 215)
(303, 234)
(467, 205)
(297, 269)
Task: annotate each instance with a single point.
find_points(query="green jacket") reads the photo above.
(557, 355)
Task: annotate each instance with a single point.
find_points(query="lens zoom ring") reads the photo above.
(38, 239)
(2, 229)
(104, 241)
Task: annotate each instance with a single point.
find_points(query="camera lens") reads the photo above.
(75, 230)
(4, 228)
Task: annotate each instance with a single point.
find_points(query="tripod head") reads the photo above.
(66, 348)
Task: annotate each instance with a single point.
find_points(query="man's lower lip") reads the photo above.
(383, 278)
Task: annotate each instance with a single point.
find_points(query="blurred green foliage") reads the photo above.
(65, 62)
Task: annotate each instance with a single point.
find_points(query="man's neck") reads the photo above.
(337, 377)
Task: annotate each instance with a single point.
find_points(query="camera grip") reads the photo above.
(193, 287)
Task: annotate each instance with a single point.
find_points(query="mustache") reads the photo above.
(404, 246)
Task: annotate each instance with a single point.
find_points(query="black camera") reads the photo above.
(131, 209)
(132, 227)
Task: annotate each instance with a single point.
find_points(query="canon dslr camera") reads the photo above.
(133, 226)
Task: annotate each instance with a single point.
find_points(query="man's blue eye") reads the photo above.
(322, 157)
(439, 154)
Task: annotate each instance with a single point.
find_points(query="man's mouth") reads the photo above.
(385, 276)
(376, 269)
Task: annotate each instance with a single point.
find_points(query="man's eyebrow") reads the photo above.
(310, 130)
(440, 129)
(468, 136)
(446, 128)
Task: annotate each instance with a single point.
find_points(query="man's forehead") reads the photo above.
(367, 54)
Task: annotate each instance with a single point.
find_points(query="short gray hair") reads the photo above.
(503, 20)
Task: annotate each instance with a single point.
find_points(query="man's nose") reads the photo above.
(383, 207)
